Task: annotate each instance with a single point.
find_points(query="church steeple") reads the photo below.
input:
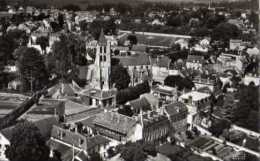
(102, 39)
(102, 63)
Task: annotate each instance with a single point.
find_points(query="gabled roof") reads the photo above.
(140, 103)
(115, 121)
(175, 108)
(63, 89)
(97, 140)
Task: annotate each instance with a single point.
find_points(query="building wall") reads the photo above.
(3, 143)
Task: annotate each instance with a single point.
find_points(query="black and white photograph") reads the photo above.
(129, 80)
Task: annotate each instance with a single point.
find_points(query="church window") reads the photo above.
(101, 58)
(101, 51)
(105, 50)
(105, 58)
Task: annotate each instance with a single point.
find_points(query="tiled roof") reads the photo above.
(140, 103)
(61, 89)
(152, 100)
(45, 125)
(115, 121)
(96, 93)
(165, 89)
(96, 141)
(134, 60)
(175, 108)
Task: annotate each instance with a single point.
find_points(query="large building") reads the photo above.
(100, 91)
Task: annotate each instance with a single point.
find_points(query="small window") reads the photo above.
(105, 58)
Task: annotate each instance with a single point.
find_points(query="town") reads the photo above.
(148, 81)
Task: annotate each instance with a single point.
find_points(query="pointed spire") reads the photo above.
(102, 40)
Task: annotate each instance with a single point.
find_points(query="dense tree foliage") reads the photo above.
(119, 77)
(32, 68)
(132, 93)
(225, 32)
(27, 144)
(67, 53)
(108, 26)
(179, 82)
(43, 41)
(248, 107)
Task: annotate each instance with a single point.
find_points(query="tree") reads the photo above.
(31, 67)
(95, 157)
(133, 152)
(133, 39)
(119, 77)
(27, 144)
(179, 82)
(108, 26)
(68, 53)
(132, 93)
(225, 32)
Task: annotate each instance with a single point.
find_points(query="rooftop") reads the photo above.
(134, 60)
(195, 95)
(115, 121)
(175, 108)
(99, 94)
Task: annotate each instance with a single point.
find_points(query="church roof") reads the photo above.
(134, 60)
(102, 39)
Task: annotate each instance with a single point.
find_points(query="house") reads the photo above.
(165, 93)
(227, 61)
(140, 104)
(118, 127)
(75, 141)
(160, 68)
(195, 62)
(196, 102)
(177, 113)
(200, 82)
(248, 79)
(156, 127)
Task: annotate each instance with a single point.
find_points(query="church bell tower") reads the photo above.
(102, 63)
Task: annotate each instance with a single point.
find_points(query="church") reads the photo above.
(99, 91)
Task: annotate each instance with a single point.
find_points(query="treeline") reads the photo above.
(132, 93)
